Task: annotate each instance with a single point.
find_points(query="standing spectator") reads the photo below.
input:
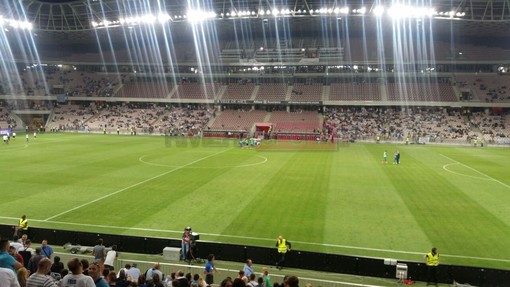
(283, 247)
(248, 269)
(209, 270)
(185, 244)
(183, 281)
(46, 250)
(432, 262)
(110, 258)
(76, 277)
(99, 253)
(41, 277)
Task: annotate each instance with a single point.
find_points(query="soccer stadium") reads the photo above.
(364, 133)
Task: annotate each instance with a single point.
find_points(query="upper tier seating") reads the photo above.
(238, 120)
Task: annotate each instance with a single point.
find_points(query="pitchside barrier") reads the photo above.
(354, 265)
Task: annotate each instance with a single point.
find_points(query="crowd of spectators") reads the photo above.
(6, 119)
(491, 125)
(25, 266)
(132, 118)
(361, 123)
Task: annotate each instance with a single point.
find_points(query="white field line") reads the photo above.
(264, 160)
(179, 232)
(134, 185)
(445, 167)
(479, 172)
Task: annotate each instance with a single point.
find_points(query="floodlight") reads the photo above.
(378, 11)
(362, 10)
(163, 18)
(196, 16)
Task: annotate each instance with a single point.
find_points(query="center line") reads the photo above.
(134, 185)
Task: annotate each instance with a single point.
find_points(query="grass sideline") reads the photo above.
(346, 201)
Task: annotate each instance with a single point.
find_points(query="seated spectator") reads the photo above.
(57, 266)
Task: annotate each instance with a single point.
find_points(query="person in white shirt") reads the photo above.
(111, 255)
(134, 272)
(7, 278)
(76, 277)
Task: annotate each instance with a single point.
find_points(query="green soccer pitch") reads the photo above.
(342, 200)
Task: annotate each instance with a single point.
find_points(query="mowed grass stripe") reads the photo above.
(449, 217)
(345, 198)
(369, 211)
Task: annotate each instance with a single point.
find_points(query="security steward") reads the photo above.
(283, 247)
(432, 261)
(22, 226)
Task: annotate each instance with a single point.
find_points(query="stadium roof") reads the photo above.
(77, 15)
(71, 20)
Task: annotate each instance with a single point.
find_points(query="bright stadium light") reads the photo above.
(378, 11)
(404, 11)
(163, 18)
(197, 16)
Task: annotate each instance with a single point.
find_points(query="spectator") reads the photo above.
(41, 277)
(57, 266)
(76, 278)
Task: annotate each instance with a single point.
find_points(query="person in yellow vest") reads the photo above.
(432, 261)
(23, 225)
(283, 247)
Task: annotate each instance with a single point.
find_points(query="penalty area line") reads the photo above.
(179, 232)
(479, 172)
(134, 185)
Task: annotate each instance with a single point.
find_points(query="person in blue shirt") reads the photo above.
(46, 250)
(6, 260)
(248, 270)
(209, 270)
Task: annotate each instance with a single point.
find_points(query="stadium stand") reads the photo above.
(485, 87)
(302, 92)
(239, 91)
(297, 122)
(431, 92)
(145, 88)
(360, 123)
(237, 120)
(70, 117)
(355, 91)
(206, 91)
(272, 92)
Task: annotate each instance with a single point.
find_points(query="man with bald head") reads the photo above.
(41, 278)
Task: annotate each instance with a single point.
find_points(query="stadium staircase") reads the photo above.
(255, 92)
(221, 92)
(325, 92)
(289, 93)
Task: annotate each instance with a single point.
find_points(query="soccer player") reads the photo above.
(385, 157)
